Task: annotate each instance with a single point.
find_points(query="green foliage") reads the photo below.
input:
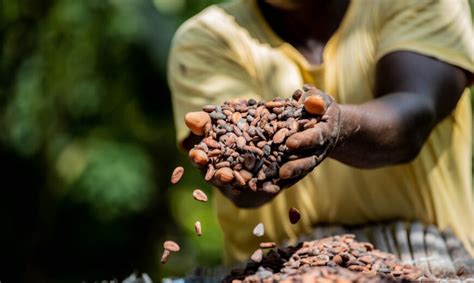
(116, 179)
(83, 96)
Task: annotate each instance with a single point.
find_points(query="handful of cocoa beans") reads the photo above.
(243, 141)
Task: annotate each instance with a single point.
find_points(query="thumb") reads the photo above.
(196, 121)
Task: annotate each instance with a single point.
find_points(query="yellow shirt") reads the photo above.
(229, 51)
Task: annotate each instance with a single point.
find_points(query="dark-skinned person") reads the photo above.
(399, 121)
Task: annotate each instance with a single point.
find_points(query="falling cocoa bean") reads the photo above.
(294, 215)
(259, 230)
(197, 228)
(177, 174)
(171, 246)
(267, 245)
(257, 256)
(199, 195)
(164, 256)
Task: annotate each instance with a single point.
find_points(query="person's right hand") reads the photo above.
(242, 196)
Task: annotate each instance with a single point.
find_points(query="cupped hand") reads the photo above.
(305, 150)
(315, 143)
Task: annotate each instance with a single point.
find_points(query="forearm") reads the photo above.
(385, 131)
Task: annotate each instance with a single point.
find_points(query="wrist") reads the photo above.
(349, 126)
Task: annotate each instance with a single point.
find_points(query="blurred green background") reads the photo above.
(87, 143)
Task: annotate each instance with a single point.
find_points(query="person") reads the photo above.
(398, 72)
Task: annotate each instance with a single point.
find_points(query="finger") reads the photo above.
(297, 168)
(196, 121)
(317, 136)
(306, 139)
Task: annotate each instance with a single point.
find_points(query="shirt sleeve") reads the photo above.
(437, 28)
(208, 64)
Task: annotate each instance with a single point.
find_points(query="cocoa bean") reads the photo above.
(164, 257)
(253, 149)
(241, 142)
(249, 161)
(259, 230)
(257, 256)
(222, 164)
(210, 173)
(227, 112)
(198, 157)
(171, 246)
(246, 175)
(217, 115)
(211, 143)
(315, 105)
(196, 121)
(199, 195)
(177, 174)
(239, 178)
(214, 152)
(279, 137)
(197, 228)
(253, 184)
(267, 245)
(270, 188)
(225, 175)
(297, 94)
(294, 215)
(209, 108)
(272, 104)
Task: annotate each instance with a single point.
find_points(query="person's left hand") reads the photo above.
(314, 143)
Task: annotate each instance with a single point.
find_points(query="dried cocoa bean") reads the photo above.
(177, 174)
(257, 256)
(171, 246)
(270, 188)
(198, 157)
(197, 228)
(209, 108)
(225, 175)
(164, 257)
(199, 195)
(294, 215)
(315, 105)
(259, 230)
(279, 137)
(239, 178)
(209, 173)
(267, 245)
(196, 121)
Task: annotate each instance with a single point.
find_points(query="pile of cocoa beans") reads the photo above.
(339, 258)
(243, 141)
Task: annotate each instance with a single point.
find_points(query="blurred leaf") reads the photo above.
(116, 180)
